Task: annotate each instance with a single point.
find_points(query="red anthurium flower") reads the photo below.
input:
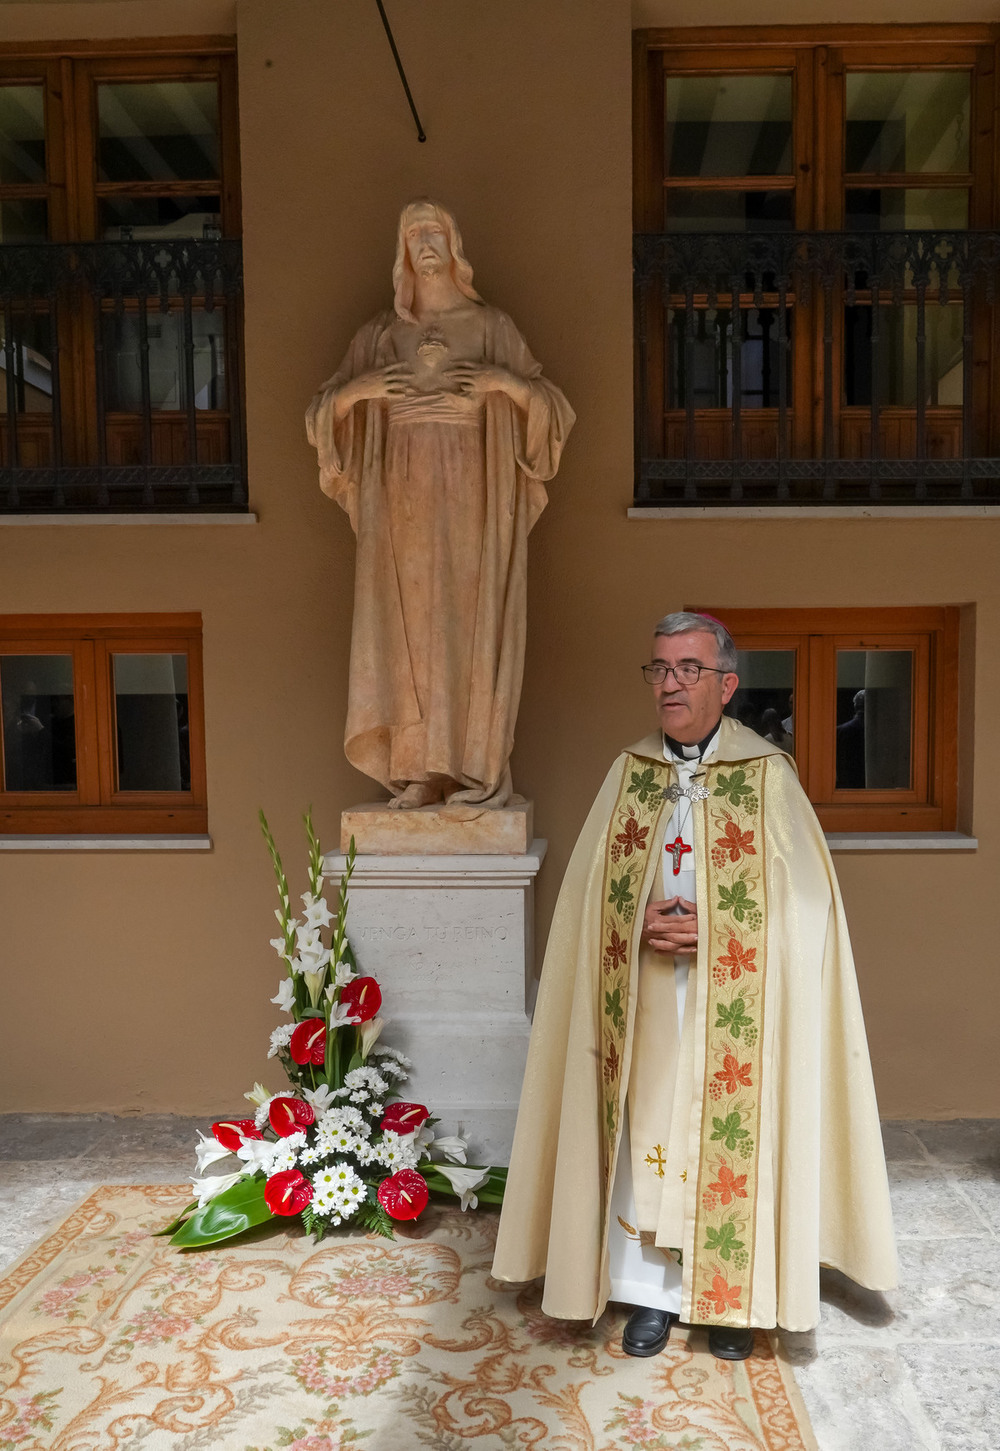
(403, 1195)
(363, 996)
(288, 1192)
(308, 1043)
(403, 1118)
(288, 1115)
(232, 1131)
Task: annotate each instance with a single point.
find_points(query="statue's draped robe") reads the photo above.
(774, 1161)
(441, 495)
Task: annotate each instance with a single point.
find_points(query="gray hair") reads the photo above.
(683, 620)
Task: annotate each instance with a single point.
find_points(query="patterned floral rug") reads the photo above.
(112, 1341)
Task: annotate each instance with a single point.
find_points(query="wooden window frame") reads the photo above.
(69, 75)
(932, 632)
(817, 57)
(97, 806)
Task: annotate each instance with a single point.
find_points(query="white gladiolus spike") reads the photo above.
(285, 996)
(314, 985)
(343, 974)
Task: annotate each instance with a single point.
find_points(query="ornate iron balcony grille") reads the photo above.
(121, 386)
(794, 368)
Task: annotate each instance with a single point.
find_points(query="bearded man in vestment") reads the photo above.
(436, 435)
(698, 1130)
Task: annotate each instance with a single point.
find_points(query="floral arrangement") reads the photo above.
(339, 1145)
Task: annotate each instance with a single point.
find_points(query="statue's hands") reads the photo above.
(476, 379)
(393, 381)
(671, 926)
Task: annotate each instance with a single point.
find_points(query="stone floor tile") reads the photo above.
(927, 1206)
(959, 1388)
(983, 1190)
(859, 1398)
(949, 1290)
(148, 1137)
(961, 1141)
(901, 1143)
(49, 1136)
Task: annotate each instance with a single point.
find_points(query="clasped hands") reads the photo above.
(665, 929)
(396, 380)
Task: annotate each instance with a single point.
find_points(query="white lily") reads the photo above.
(259, 1095)
(285, 996)
(464, 1182)
(343, 973)
(453, 1148)
(256, 1154)
(369, 1034)
(317, 913)
(207, 1189)
(312, 959)
(320, 1098)
(208, 1151)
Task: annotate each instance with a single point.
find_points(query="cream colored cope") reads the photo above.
(821, 1195)
(436, 435)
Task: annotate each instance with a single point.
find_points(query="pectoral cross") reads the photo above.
(655, 1160)
(677, 849)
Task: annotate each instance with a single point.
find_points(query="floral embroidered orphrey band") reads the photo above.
(729, 827)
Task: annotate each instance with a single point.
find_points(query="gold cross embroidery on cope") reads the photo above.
(656, 1160)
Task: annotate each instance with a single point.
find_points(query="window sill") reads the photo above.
(819, 511)
(47, 520)
(124, 842)
(900, 841)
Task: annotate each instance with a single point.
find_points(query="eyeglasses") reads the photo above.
(685, 674)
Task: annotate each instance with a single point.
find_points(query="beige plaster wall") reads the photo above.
(140, 982)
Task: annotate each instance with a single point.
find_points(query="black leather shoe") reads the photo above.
(727, 1344)
(647, 1331)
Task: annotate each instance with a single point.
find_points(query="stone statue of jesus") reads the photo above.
(436, 435)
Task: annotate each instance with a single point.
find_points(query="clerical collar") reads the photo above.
(693, 752)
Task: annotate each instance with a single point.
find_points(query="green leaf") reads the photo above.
(733, 1016)
(734, 787)
(175, 1224)
(620, 894)
(736, 899)
(728, 1130)
(227, 1215)
(613, 1008)
(489, 1193)
(356, 1062)
(643, 785)
(723, 1240)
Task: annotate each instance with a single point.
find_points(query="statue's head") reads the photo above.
(428, 243)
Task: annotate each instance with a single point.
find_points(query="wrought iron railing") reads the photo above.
(121, 386)
(816, 368)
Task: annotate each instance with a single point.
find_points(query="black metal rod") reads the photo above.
(189, 399)
(782, 388)
(145, 395)
(10, 367)
(642, 391)
(690, 490)
(736, 333)
(921, 387)
(875, 364)
(100, 381)
(421, 136)
(967, 374)
(829, 483)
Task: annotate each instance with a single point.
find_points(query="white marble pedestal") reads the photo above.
(451, 941)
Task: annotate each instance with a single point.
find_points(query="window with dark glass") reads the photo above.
(101, 724)
(120, 345)
(864, 701)
(814, 278)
